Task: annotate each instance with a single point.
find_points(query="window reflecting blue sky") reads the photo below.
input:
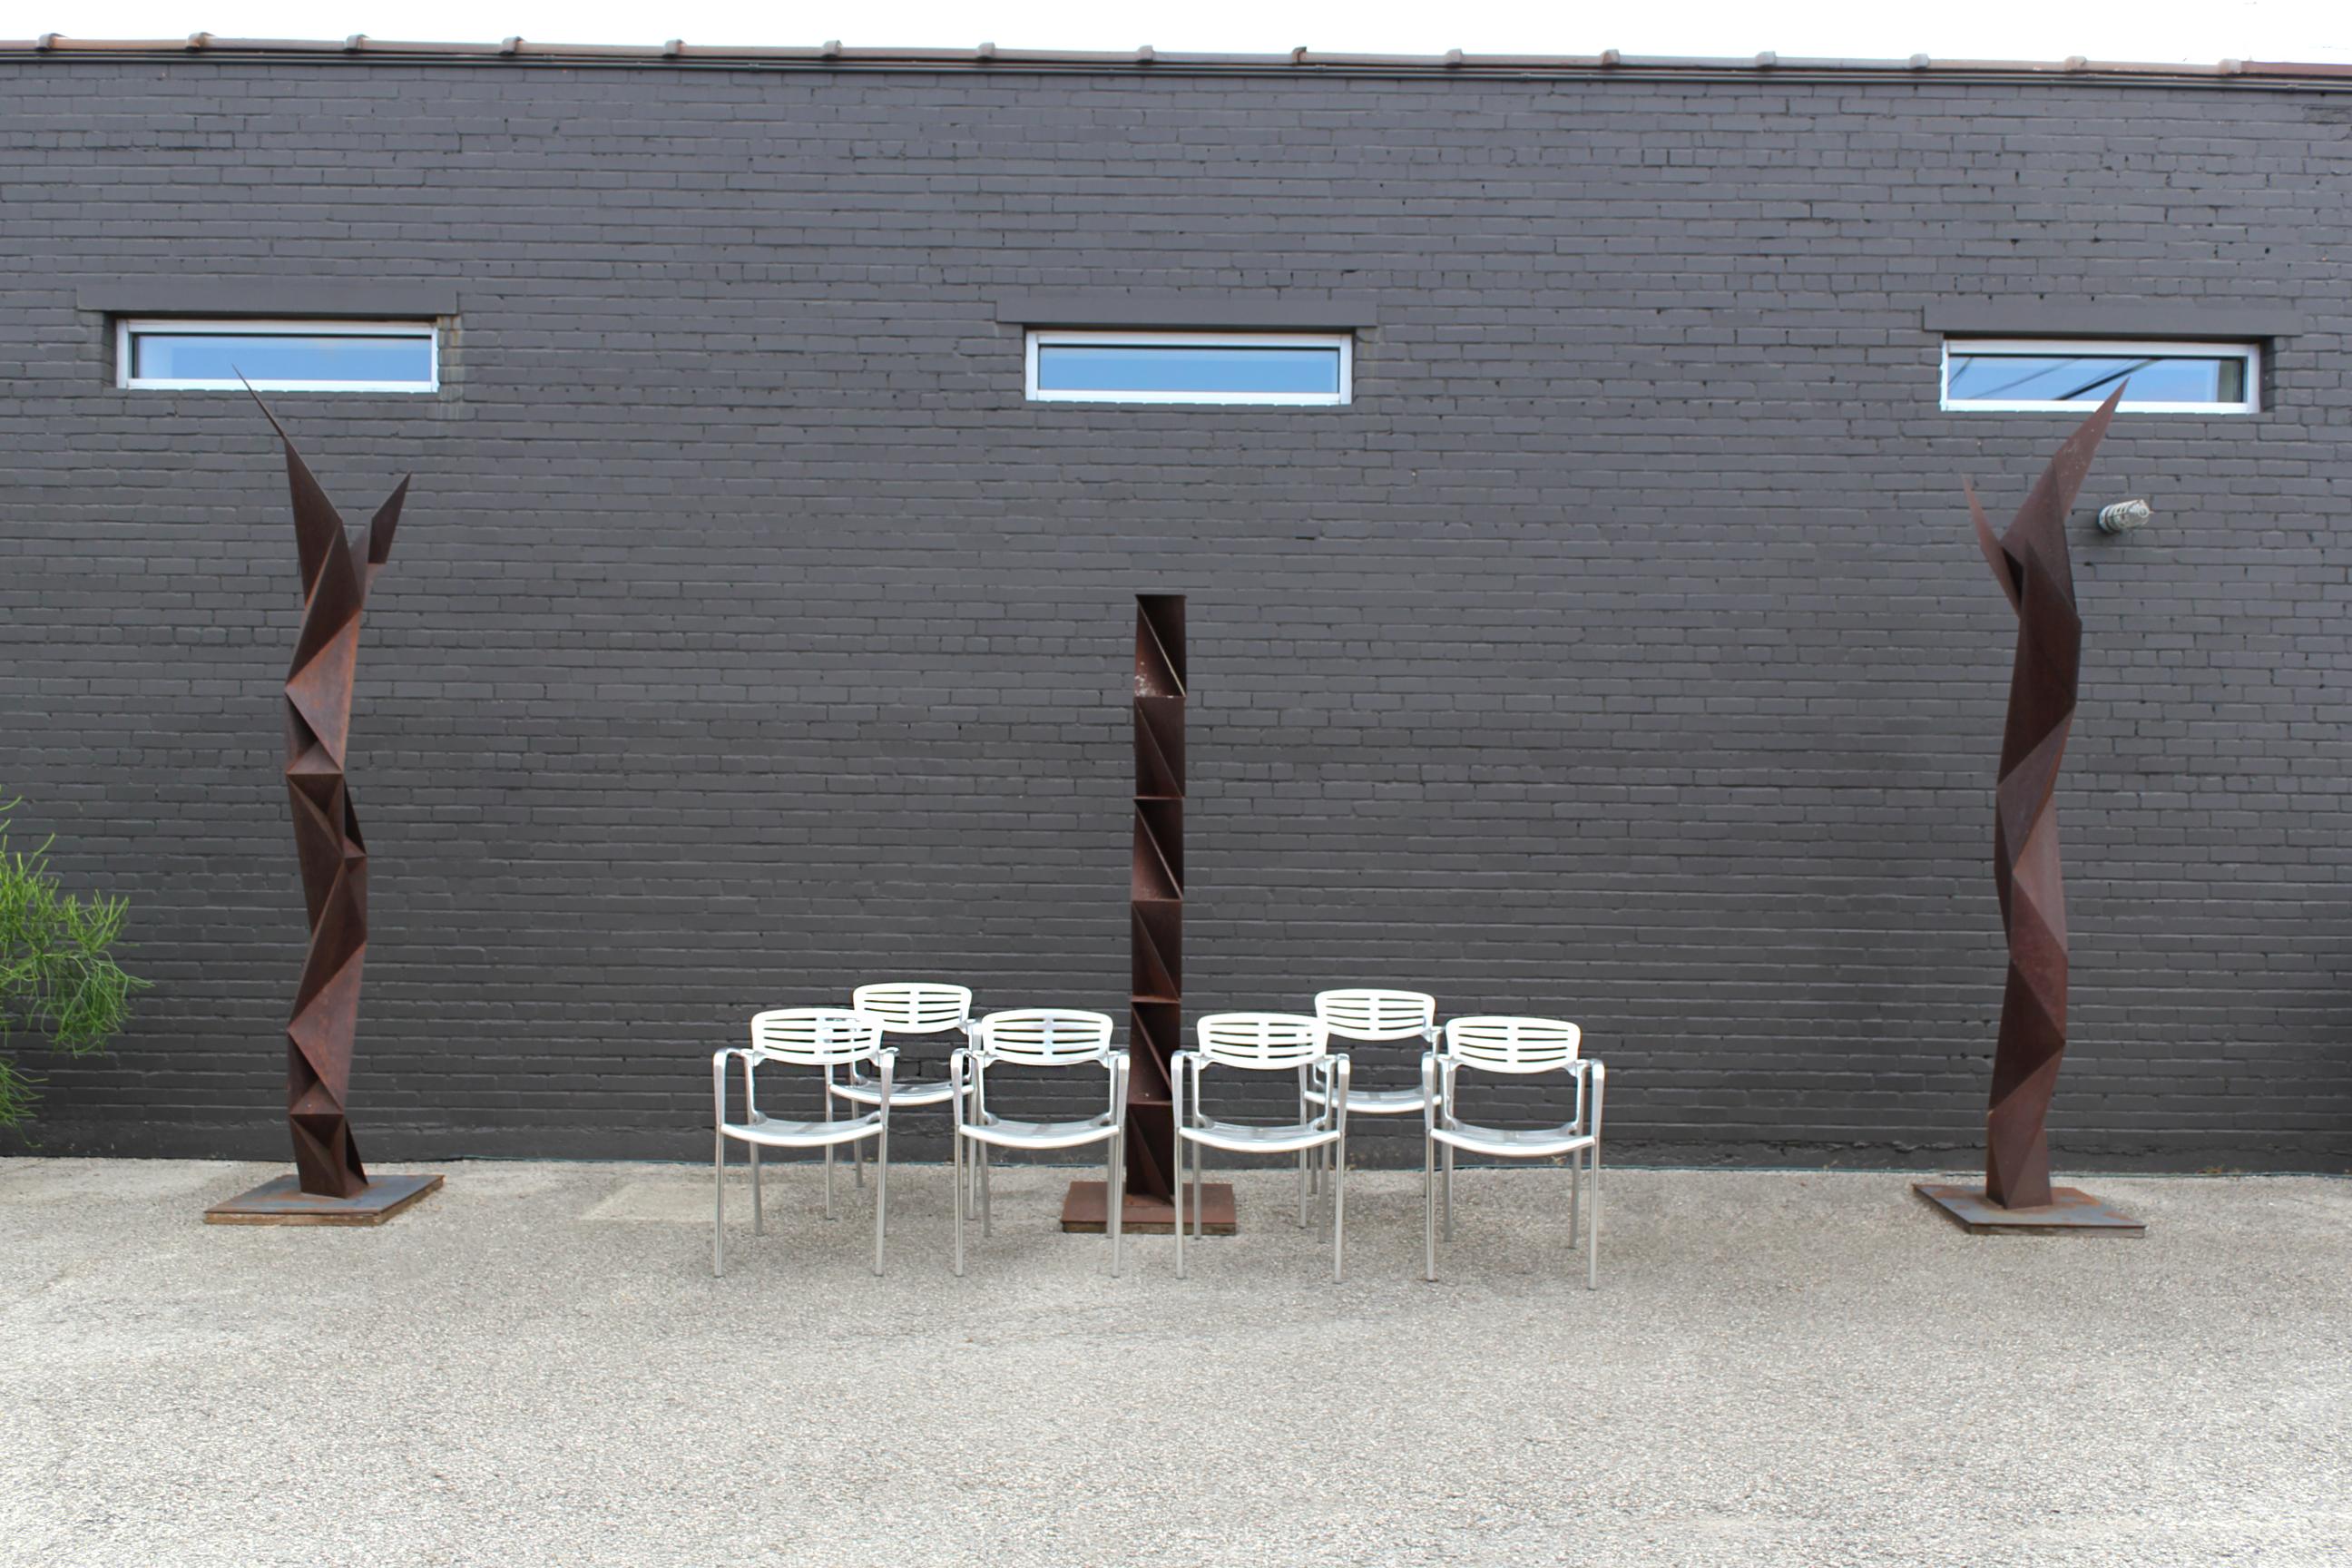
(1175, 367)
(2088, 378)
(271, 356)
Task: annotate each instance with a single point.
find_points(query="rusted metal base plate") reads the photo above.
(283, 1201)
(2072, 1212)
(1085, 1210)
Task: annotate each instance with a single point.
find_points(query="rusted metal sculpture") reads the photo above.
(1156, 893)
(319, 1036)
(2031, 565)
(1155, 1016)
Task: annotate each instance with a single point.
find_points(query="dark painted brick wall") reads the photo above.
(1622, 652)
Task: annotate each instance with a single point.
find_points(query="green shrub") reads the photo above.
(58, 979)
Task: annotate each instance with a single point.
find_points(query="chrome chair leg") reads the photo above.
(828, 1180)
(955, 1165)
(987, 1198)
(1302, 1189)
(1115, 1197)
(1338, 1213)
(1429, 1209)
(1180, 1205)
(1446, 1192)
(718, 1207)
(759, 1225)
(1575, 1193)
(1592, 1226)
(858, 1154)
(881, 1193)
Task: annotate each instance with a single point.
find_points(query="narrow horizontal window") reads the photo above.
(1190, 367)
(2032, 376)
(277, 356)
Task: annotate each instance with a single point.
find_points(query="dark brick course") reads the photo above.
(1621, 653)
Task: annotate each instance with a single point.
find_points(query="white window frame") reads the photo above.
(1039, 336)
(125, 330)
(2105, 348)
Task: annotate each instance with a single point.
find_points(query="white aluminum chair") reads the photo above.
(1373, 1017)
(907, 1007)
(1039, 1037)
(1522, 1047)
(1264, 1042)
(821, 1037)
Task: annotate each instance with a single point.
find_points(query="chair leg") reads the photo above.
(828, 1181)
(881, 1192)
(987, 1198)
(718, 1206)
(1446, 1192)
(1429, 1209)
(858, 1154)
(955, 1165)
(1575, 1192)
(759, 1224)
(1302, 1189)
(1338, 1212)
(1592, 1226)
(1180, 1205)
(1115, 1197)
(1200, 1193)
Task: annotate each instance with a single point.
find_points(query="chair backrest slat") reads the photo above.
(817, 1037)
(1513, 1045)
(1046, 1037)
(1261, 1041)
(1371, 1014)
(915, 1006)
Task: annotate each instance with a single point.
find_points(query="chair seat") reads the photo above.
(1246, 1138)
(1377, 1101)
(1513, 1143)
(776, 1134)
(1007, 1134)
(922, 1091)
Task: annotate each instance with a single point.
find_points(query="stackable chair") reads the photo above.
(821, 1037)
(1372, 1018)
(905, 1008)
(1264, 1042)
(1523, 1047)
(1037, 1037)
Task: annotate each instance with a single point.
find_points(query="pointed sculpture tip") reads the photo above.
(263, 406)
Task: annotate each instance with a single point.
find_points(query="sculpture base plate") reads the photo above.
(283, 1201)
(1086, 1209)
(2071, 1212)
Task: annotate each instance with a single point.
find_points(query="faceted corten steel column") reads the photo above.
(2031, 565)
(1156, 893)
(1155, 1030)
(319, 1037)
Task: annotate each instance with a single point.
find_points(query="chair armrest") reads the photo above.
(888, 1059)
(1116, 1062)
(1178, 1066)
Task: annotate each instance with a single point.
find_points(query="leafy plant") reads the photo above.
(58, 974)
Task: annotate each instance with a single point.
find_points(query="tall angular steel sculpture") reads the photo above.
(1155, 1016)
(2031, 565)
(319, 1036)
(1156, 893)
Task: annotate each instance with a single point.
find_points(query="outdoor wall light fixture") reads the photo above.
(2124, 516)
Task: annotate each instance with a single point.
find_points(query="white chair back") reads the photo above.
(816, 1037)
(1513, 1045)
(1044, 1036)
(1367, 1015)
(915, 1006)
(1262, 1041)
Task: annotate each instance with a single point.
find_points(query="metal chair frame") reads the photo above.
(907, 1007)
(1264, 1042)
(820, 1037)
(1369, 1016)
(1036, 1037)
(1521, 1047)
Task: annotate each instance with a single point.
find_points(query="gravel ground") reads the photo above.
(536, 1366)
